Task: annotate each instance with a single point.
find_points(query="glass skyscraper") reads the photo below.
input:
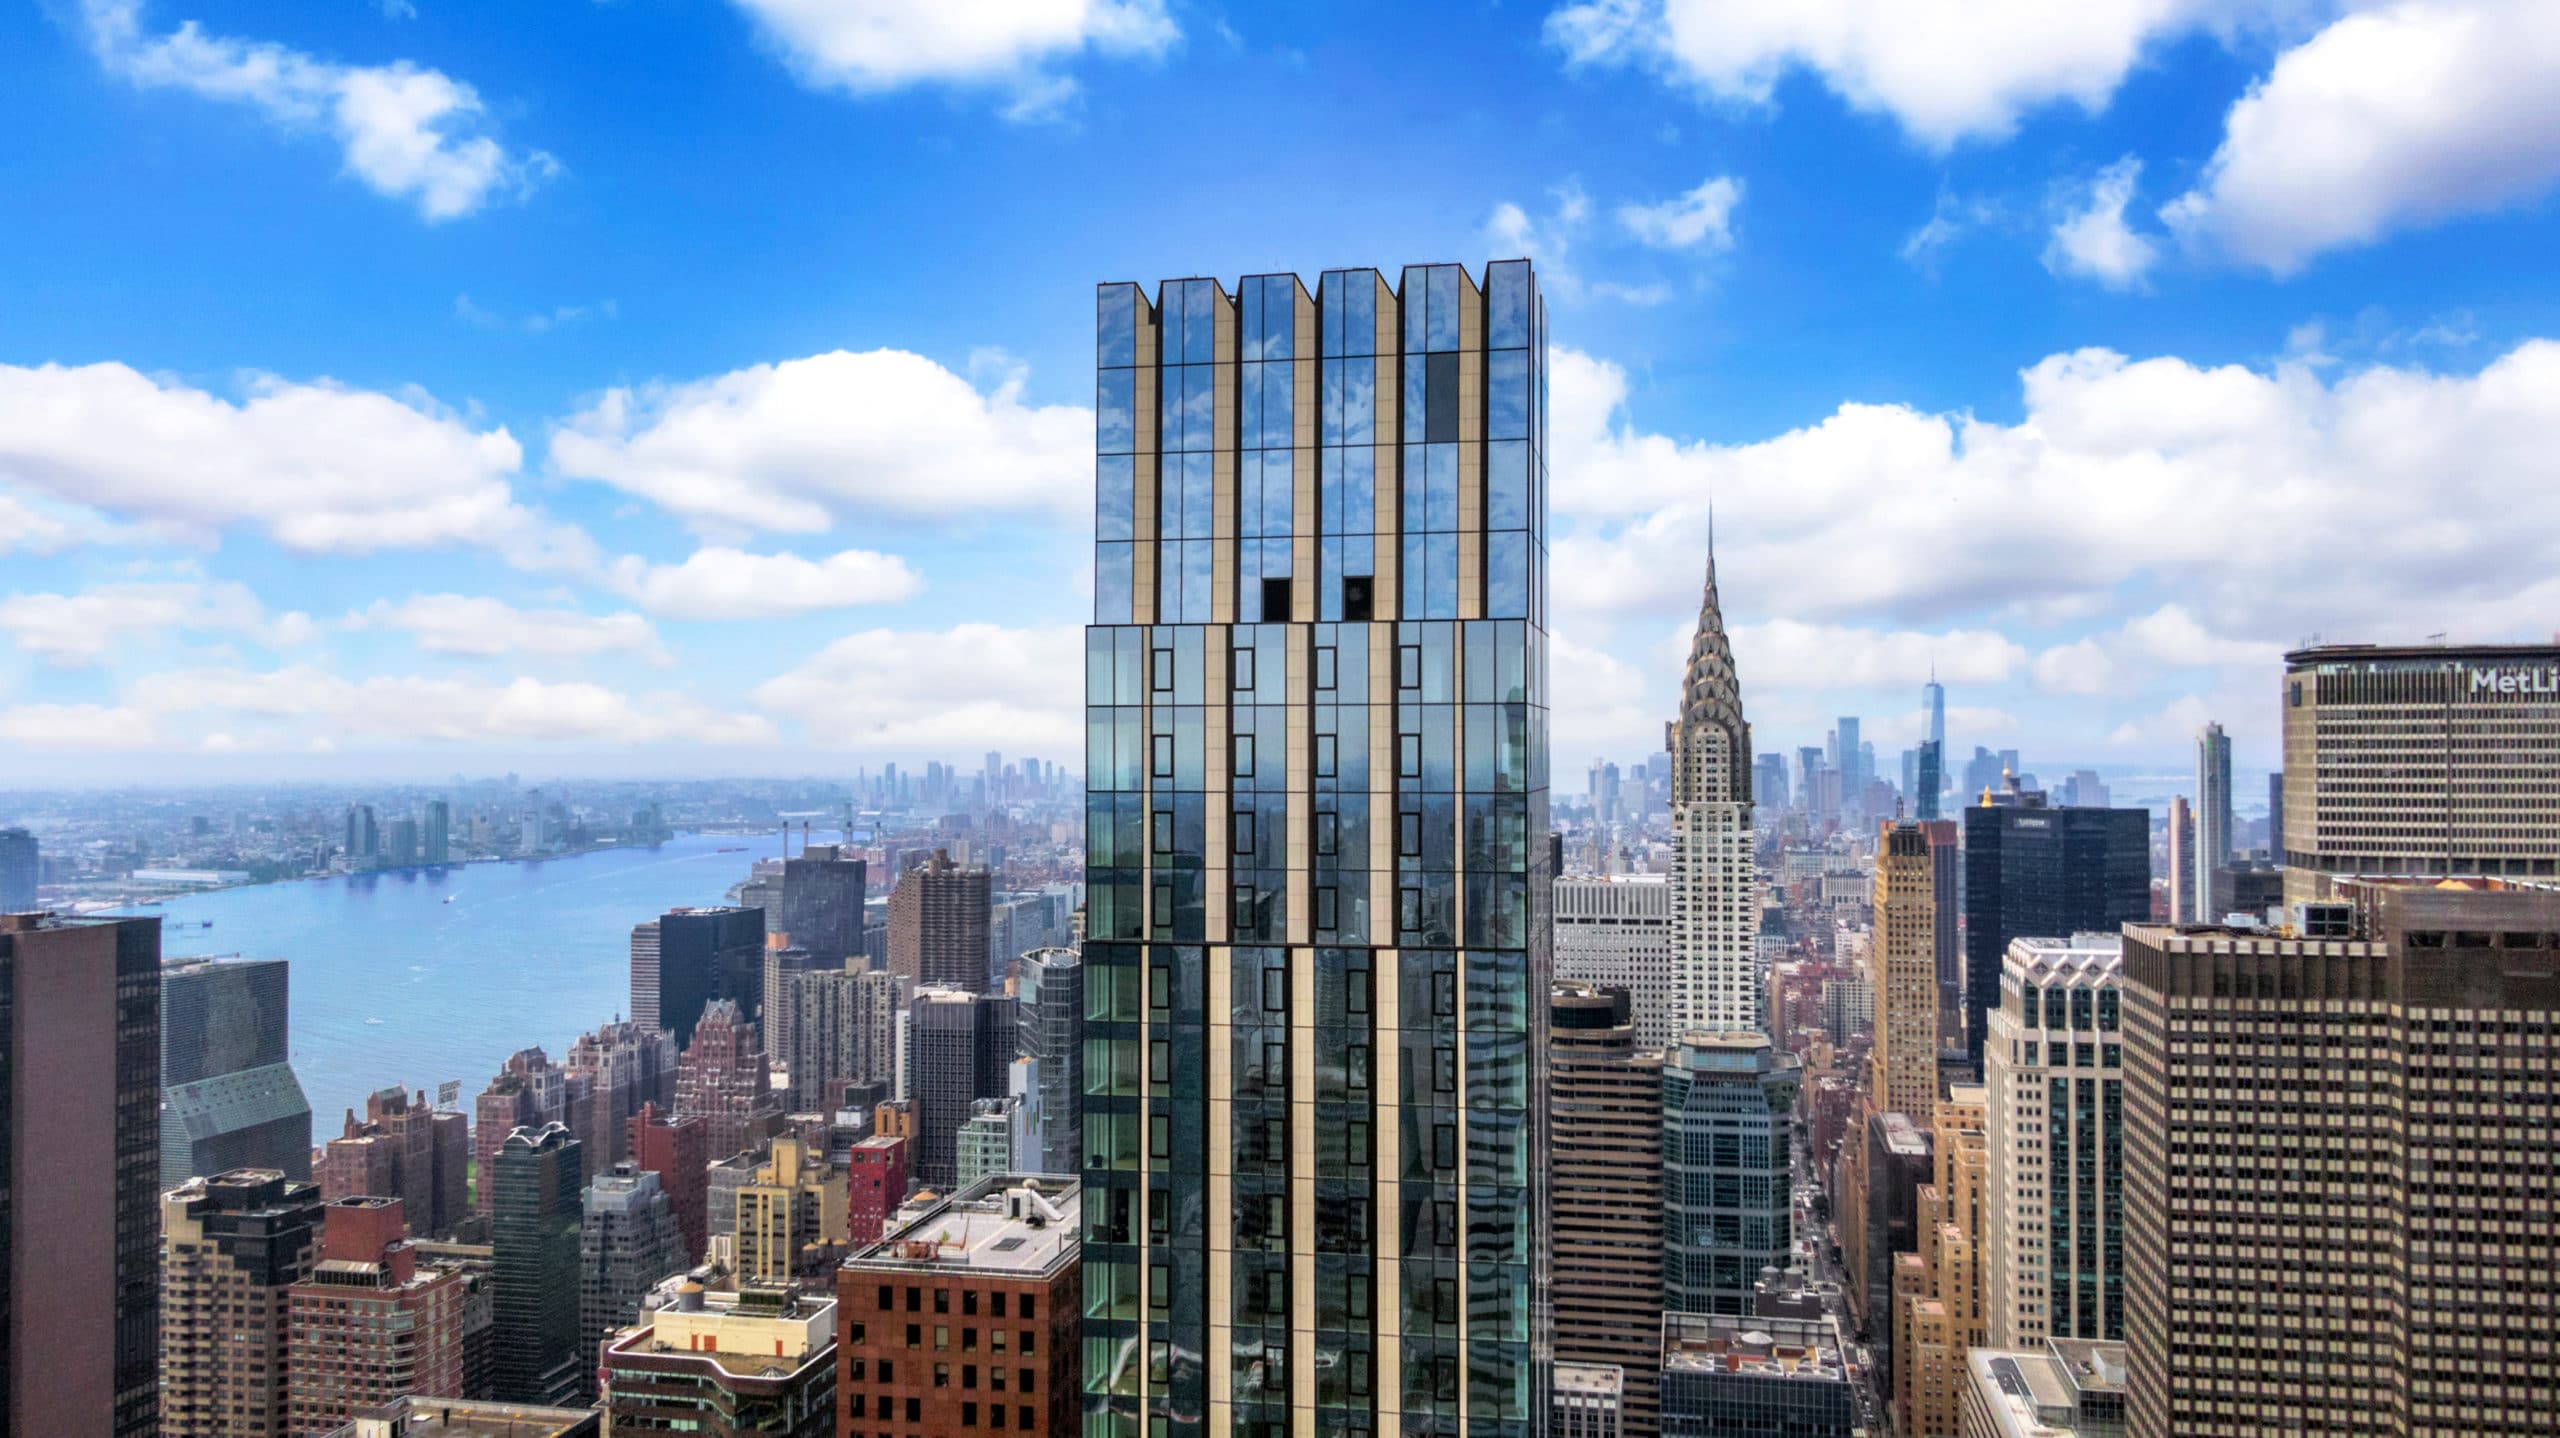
(1317, 937)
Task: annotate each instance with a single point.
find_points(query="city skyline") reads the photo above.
(618, 525)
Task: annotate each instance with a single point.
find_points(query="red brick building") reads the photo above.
(876, 1183)
(675, 1149)
(371, 1324)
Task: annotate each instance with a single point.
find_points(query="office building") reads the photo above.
(721, 1079)
(1938, 1295)
(1590, 1400)
(534, 1233)
(2084, 790)
(2420, 762)
(402, 1149)
(2053, 1075)
(1769, 783)
(960, 1049)
(875, 1186)
(228, 1096)
(844, 1030)
(791, 1222)
(2181, 842)
(676, 1149)
(373, 1322)
(1737, 1376)
(435, 833)
(627, 1242)
(1327, 789)
(822, 899)
(1715, 899)
(456, 1418)
(364, 837)
(1605, 1100)
(528, 1092)
(2031, 870)
(79, 1164)
(756, 1362)
(1903, 974)
(1048, 998)
(1618, 932)
(1876, 1187)
(231, 1246)
(938, 920)
(1728, 1104)
(2059, 1388)
(2346, 1148)
(20, 869)
(969, 1305)
(685, 959)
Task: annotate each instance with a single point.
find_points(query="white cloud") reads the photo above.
(717, 582)
(1945, 70)
(483, 627)
(76, 726)
(971, 687)
(871, 46)
(794, 446)
(318, 467)
(1549, 239)
(2164, 728)
(2081, 667)
(539, 322)
(2407, 501)
(2172, 636)
(1611, 698)
(2093, 242)
(2395, 115)
(24, 527)
(1702, 217)
(305, 705)
(1793, 654)
(74, 630)
(408, 133)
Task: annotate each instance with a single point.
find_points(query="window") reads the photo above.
(1243, 765)
(942, 1375)
(1355, 1064)
(1243, 830)
(1356, 603)
(1275, 990)
(1240, 665)
(969, 1371)
(1444, 1070)
(1324, 666)
(1328, 832)
(1163, 756)
(1324, 756)
(968, 1303)
(1444, 1146)
(888, 1298)
(915, 1335)
(1408, 666)
(997, 1307)
(942, 1300)
(1355, 986)
(1408, 756)
(1325, 908)
(1409, 834)
(1275, 600)
(915, 1299)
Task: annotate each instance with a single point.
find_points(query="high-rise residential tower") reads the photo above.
(1048, 997)
(2339, 1155)
(79, 1171)
(673, 1149)
(1728, 1196)
(1715, 903)
(19, 867)
(1605, 1096)
(2213, 824)
(374, 1322)
(534, 1235)
(1316, 956)
(231, 1248)
(722, 1080)
(435, 833)
(229, 1098)
(2183, 907)
(2035, 870)
(2053, 1128)
(938, 918)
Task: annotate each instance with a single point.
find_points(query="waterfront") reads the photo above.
(393, 984)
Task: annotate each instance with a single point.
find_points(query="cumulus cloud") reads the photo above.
(1944, 70)
(2083, 666)
(304, 706)
(2395, 115)
(316, 466)
(482, 627)
(871, 46)
(717, 582)
(74, 630)
(76, 726)
(407, 133)
(970, 687)
(2093, 241)
(795, 446)
(1793, 654)
(1548, 239)
(1698, 219)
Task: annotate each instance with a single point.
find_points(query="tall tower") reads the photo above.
(2213, 823)
(1607, 1097)
(1715, 910)
(1904, 973)
(534, 1235)
(1317, 955)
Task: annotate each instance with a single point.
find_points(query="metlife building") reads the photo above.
(2420, 762)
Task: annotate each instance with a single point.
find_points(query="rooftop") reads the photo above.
(2027, 1394)
(2442, 653)
(749, 1333)
(1021, 1225)
(462, 1418)
(1761, 1346)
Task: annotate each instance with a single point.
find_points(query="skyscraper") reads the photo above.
(1619, 931)
(2053, 1076)
(228, 1097)
(534, 1235)
(822, 895)
(673, 1149)
(1928, 779)
(528, 1092)
(2183, 906)
(19, 867)
(938, 917)
(364, 837)
(401, 1149)
(2213, 824)
(1728, 1194)
(844, 1030)
(959, 1048)
(1048, 996)
(436, 834)
(1715, 907)
(1316, 854)
(2034, 870)
(231, 1248)
(1848, 757)
(1933, 703)
(1605, 1095)
(1903, 1063)
(721, 1079)
(686, 958)
(373, 1323)
(627, 1241)
(79, 1164)
(2341, 1151)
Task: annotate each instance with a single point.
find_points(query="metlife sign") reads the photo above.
(2516, 679)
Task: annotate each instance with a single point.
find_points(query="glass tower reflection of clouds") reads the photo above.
(1317, 936)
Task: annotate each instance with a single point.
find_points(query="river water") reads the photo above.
(426, 975)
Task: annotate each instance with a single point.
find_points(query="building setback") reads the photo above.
(1617, 932)
(2053, 1076)
(372, 1323)
(79, 1164)
(229, 1098)
(2349, 1143)
(1319, 653)
(1605, 1095)
(534, 1232)
(231, 1248)
(754, 1363)
(2031, 870)
(1715, 903)
(967, 1307)
(938, 919)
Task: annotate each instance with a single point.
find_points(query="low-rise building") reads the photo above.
(2068, 1388)
(1736, 1376)
(1589, 1401)
(759, 1360)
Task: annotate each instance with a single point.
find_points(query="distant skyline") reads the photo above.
(393, 389)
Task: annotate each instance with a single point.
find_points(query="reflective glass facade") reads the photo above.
(1317, 936)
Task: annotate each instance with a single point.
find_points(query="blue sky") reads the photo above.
(703, 385)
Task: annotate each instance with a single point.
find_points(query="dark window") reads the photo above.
(1440, 398)
(1325, 916)
(1409, 834)
(1275, 601)
(1275, 990)
(1328, 832)
(1355, 599)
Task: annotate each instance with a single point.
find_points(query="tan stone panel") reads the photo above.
(1302, 420)
(1148, 421)
(1390, 316)
(1470, 394)
(1222, 404)
(1390, 401)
